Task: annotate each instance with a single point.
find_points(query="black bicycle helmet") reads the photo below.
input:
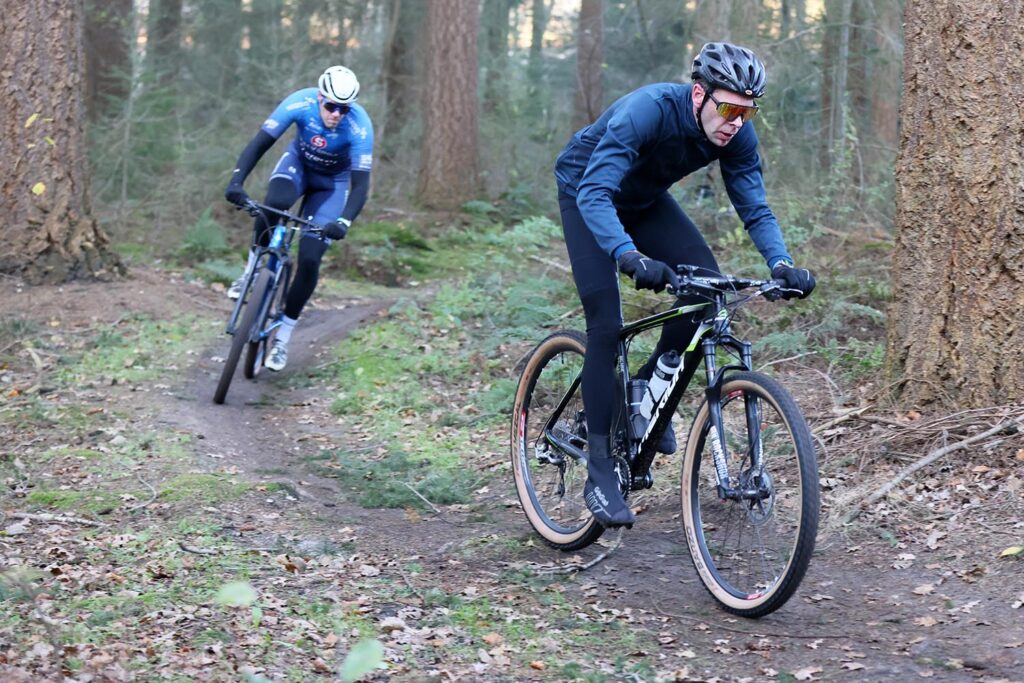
(723, 65)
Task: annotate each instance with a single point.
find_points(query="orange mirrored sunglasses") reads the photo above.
(729, 111)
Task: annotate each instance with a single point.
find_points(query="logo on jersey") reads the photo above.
(318, 141)
(361, 131)
(297, 105)
(270, 124)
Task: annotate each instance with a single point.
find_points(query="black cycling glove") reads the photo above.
(646, 272)
(795, 278)
(336, 230)
(236, 194)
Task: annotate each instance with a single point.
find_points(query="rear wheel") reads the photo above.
(243, 333)
(751, 553)
(548, 411)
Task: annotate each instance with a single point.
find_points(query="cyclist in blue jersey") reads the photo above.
(613, 179)
(327, 164)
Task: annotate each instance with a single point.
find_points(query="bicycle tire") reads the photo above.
(782, 528)
(550, 490)
(242, 334)
(256, 351)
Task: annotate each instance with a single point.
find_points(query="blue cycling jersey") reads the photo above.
(643, 144)
(348, 147)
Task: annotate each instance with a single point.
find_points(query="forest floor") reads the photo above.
(148, 534)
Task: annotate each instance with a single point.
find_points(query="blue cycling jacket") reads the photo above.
(640, 146)
(349, 147)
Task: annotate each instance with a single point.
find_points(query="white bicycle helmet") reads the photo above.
(339, 84)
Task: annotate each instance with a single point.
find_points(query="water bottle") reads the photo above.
(637, 393)
(666, 368)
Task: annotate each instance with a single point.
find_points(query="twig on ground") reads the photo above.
(573, 568)
(884, 490)
(197, 551)
(145, 483)
(839, 420)
(783, 360)
(553, 264)
(420, 496)
(47, 517)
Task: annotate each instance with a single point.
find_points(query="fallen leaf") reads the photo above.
(1012, 551)
(924, 589)
(492, 639)
(538, 665)
(926, 622)
(853, 666)
(807, 674)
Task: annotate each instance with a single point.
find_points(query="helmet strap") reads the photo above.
(700, 113)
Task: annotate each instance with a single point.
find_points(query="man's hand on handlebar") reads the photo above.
(237, 195)
(335, 230)
(798, 282)
(648, 273)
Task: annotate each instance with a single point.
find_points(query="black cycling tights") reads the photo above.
(281, 194)
(661, 231)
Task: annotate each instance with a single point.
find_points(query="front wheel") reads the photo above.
(243, 333)
(751, 549)
(549, 437)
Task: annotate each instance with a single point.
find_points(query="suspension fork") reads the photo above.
(715, 378)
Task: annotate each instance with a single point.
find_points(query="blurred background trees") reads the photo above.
(176, 87)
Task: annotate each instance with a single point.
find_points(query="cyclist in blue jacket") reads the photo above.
(613, 180)
(327, 164)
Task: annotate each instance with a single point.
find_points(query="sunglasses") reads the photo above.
(729, 111)
(335, 107)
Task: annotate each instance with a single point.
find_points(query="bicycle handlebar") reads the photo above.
(771, 289)
(253, 208)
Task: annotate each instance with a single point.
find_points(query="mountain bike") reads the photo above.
(259, 308)
(749, 484)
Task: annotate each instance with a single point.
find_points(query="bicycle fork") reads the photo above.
(747, 484)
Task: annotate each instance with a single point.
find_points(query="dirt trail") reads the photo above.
(869, 609)
(856, 617)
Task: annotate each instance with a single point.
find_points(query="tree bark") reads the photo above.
(48, 233)
(449, 172)
(163, 40)
(589, 62)
(108, 61)
(496, 25)
(405, 23)
(955, 325)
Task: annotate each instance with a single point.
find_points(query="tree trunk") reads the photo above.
(48, 233)
(108, 61)
(163, 40)
(449, 162)
(496, 26)
(835, 59)
(589, 61)
(405, 22)
(218, 42)
(711, 22)
(955, 324)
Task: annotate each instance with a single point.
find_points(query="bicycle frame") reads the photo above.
(712, 333)
(277, 254)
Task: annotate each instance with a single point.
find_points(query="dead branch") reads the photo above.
(47, 517)
(145, 483)
(839, 420)
(884, 490)
(196, 551)
(420, 496)
(573, 568)
(552, 264)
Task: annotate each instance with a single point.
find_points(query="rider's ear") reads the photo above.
(697, 93)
